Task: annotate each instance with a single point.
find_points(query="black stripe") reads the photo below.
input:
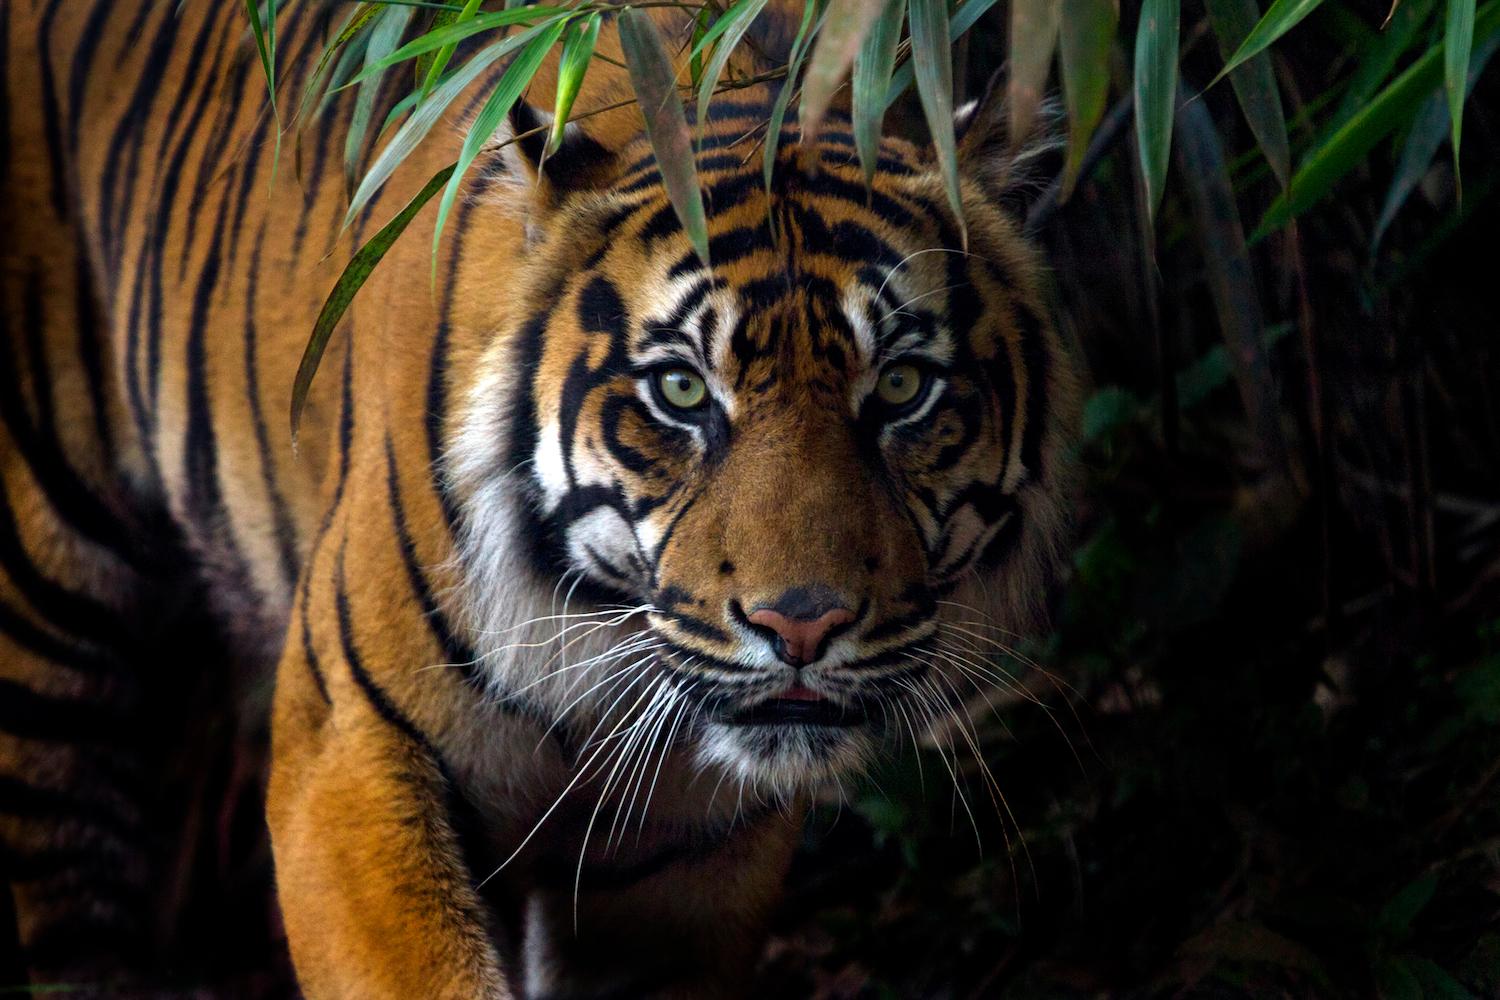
(33, 716)
(39, 444)
(374, 694)
(454, 649)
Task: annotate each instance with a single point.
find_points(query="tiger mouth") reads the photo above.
(797, 712)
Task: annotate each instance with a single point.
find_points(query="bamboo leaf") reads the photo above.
(712, 33)
(963, 19)
(700, 31)
(1457, 42)
(265, 44)
(738, 20)
(457, 32)
(1428, 130)
(415, 128)
(1155, 93)
(1349, 145)
(316, 83)
(932, 55)
(1254, 84)
(1033, 36)
(1380, 58)
(1231, 279)
(430, 65)
(383, 40)
(873, 64)
(1283, 16)
(843, 31)
(1426, 134)
(538, 42)
(355, 273)
(655, 85)
(1088, 33)
(577, 51)
(778, 110)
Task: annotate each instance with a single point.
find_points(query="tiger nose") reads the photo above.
(801, 622)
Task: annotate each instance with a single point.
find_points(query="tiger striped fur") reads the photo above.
(591, 564)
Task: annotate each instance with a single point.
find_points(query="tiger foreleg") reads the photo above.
(377, 900)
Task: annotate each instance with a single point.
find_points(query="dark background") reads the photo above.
(1268, 765)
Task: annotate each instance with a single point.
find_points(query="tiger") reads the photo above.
(594, 560)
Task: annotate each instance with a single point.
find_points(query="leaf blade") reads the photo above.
(963, 19)
(873, 64)
(538, 41)
(383, 40)
(353, 277)
(1283, 16)
(579, 41)
(1155, 93)
(932, 57)
(1340, 152)
(1033, 37)
(778, 110)
(458, 31)
(1458, 41)
(655, 84)
(1254, 84)
(415, 128)
(742, 15)
(1086, 36)
(842, 32)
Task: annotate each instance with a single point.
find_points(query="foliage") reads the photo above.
(863, 35)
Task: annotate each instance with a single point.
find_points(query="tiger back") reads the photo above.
(592, 560)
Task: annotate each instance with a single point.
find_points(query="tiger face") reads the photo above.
(816, 476)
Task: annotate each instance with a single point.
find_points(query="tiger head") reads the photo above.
(788, 503)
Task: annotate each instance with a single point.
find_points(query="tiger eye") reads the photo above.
(899, 384)
(682, 388)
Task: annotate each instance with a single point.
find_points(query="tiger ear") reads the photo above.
(1012, 174)
(579, 163)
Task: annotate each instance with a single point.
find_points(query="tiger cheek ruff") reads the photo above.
(595, 561)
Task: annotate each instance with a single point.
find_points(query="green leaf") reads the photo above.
(1398, 913)
(1254, 84)
(1428, 130)
(655, 85)
(700, 31)
(1231, 278)
(932, 55)
(518, 74)
(357, 19)
(355, 273)
(430, 65)
(1088, 33)
(1458, 41)
(1347, 147)
(577, 51)
(457, 32)
(963, 19)
(736, 23)
(1281, 18)
(873, 64)
(383, 40)
(415, 128)
(1380, 58)
(1033, 36)
(778, 110)
(265, 44)
(1155, 92)
(842, 32)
